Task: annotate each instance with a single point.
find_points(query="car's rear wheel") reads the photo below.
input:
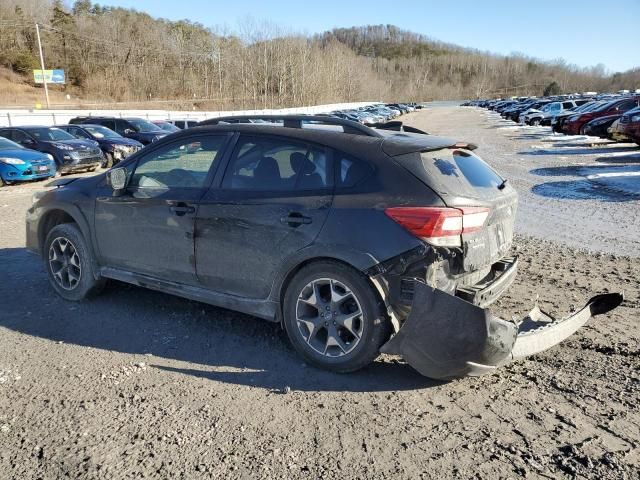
(69, 263)
(334, 318)
(535, 122)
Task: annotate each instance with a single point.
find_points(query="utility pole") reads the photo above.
(44, 78)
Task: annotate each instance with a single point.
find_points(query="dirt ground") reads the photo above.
(138, 384)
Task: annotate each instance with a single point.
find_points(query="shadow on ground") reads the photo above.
(607, 183)
(580, 151)
(632, 158)
(224, 346)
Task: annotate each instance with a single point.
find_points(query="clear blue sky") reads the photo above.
(585, 33)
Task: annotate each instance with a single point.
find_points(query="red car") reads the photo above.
(629, 125)
(574, 124)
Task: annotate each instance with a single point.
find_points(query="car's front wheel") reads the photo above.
(69, 263)
(334, 318)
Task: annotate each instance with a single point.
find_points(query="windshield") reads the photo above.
(143, 126)
(6, 144)
(593, 106)
(50, 134)
(168, 127)
(101, 132)
(584, 107)
(606, 106)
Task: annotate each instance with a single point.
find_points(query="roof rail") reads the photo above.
(296, 121)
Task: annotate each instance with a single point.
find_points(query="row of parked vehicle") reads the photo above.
(612, 116)
(376, 113)
(86, 143)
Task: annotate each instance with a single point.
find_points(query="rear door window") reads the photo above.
(271, 164)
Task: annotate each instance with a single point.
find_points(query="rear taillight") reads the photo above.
(440, 226)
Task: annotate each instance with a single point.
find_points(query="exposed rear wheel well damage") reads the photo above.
(52, 218)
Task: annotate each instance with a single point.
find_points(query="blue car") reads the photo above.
(19, 164)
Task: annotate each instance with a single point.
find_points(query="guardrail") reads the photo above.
(15, 117)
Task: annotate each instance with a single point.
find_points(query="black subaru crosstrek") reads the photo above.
(357, 240)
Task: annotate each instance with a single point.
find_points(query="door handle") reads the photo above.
(295, 219)
(181, 208)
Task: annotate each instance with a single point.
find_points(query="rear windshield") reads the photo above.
(453, 172)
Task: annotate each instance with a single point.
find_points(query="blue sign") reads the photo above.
(50, 76)
(57, 76)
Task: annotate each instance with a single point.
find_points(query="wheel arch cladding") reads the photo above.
(51, 219)
(58, 215)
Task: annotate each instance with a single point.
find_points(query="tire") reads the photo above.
(2, 182)
(69, 263)
(535, 122)
(334, 333)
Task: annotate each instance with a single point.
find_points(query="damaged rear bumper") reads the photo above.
(446, 337)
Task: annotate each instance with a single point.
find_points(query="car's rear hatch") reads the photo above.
(463, 179)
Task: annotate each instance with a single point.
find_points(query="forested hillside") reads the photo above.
(118, 55)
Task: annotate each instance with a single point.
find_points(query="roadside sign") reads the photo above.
(50, 76)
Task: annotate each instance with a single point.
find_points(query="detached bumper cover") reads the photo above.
(446, 337)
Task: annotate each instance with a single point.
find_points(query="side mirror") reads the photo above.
(129, 131)
(117, 179)
(28, 141)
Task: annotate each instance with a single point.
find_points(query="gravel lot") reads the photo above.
(139, 384)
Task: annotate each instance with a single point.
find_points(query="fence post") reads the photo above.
(9, 119)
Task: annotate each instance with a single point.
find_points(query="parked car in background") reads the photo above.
(183, 123)
(614, 132)
(114, 146)
(630, 125)
(535, 107)
(557, 121)
(599, 127)
(565, 106)
(166, 126)
(137, 129)
(70, 153)
(575, 123)
(19, 164)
